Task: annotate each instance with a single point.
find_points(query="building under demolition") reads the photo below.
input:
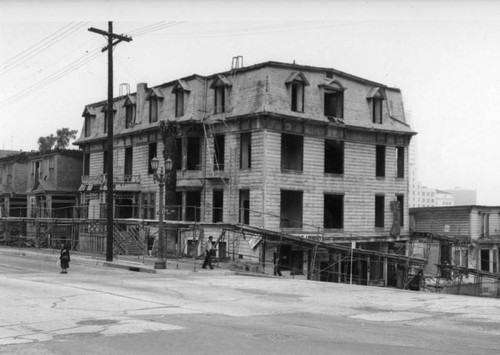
(307, 166)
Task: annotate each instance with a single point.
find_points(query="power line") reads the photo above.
(52, 78)
(39, 47)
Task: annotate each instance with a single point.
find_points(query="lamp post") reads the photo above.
(160, 262)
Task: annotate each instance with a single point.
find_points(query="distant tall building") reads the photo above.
(463, 196)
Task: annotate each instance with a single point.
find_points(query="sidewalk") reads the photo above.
(183, 266)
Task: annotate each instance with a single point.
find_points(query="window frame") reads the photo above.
(379, 211)
(400, 162)
(334, 149)
(336, 216)
(380, 161)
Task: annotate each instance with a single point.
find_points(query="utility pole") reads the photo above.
(109, 168)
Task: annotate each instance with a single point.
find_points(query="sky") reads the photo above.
(443, 55)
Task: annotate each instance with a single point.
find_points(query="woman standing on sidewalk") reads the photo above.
(64, 258)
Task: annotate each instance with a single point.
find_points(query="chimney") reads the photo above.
(142, 89)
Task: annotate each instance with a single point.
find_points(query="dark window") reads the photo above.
(128, 161)
(244, 215)
(152, 152)
(291, 209)
(88, 125)
(178, 154)
(219, 141)
(485, 260)
(86, 165)
(400, 151)
(193, 203)
(179, 103)
(129, 116)
(297, 97)
(153, 109)
(334, 157)
(245, 150)
(105, 162)
(148, 205)
(379, 211)
(334, 103)
(219, 99)
(377, 110)
(401, 200)
(193, 153)
(380, 161)
(292, 147)
(217, 206)
(334, 211)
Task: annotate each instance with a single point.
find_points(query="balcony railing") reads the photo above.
(118, 179)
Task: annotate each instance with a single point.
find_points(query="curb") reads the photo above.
(135, 268)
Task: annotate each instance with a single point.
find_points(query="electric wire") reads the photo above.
(39, 47)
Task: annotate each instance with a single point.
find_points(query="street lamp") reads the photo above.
(160, 262)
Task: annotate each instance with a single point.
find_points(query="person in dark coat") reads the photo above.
(208, 254)
(64, 258)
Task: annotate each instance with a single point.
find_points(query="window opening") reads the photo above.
(400, 152)
(333, 211)
(379, 211)
(193, 153)
(129, 116)
(148, 205)
(291, 209)
(219, 142)
(217, 206)
(86, 164)
(179, 103)
(128, 162)
(244, 215)
(334, 157)
(377, 110)
(245, 150)
(152, 152)
(380, 161)
(334, 103)
(401, 201)
(485, 260)
(219, 99)
(297, 96)
(153, 109)
(193, 203)
(292, 152)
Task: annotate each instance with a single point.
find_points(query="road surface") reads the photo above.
(99, 310)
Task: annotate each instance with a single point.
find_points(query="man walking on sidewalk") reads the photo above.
(208, 254)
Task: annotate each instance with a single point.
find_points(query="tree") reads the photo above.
(64, 135)
(46, 143)
(60, 140)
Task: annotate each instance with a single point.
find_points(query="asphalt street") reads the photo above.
(112, 310)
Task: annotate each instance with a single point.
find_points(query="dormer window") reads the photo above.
(154, 96)
(296, 83)
(181, 91)
(333, 99)
(105, 111)
(221, 86)
(87, 125)
(130, 111)
(376, 99)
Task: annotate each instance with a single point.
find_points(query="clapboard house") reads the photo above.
(298, 149)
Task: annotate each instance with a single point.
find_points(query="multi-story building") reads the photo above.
(465, 239)
(53, 180)
(292, 148)
(13, 185)
(463, 197)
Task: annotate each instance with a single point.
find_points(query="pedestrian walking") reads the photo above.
(208, 254)
(64, 258)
